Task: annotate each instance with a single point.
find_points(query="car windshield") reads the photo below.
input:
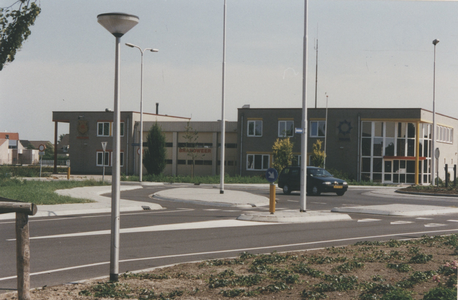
(319, 172)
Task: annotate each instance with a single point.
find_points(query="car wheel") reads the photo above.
(315, 191)
(341, 193)
(286, 190)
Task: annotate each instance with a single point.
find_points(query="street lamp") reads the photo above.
(433, 135)
(141, 105)
(303, 199)
(223, 121)
(117, 24)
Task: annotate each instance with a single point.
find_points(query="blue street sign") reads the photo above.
(271, 175)
(298, 130)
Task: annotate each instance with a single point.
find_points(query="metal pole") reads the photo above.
(103, 163)
(433, 135)
(316, 75)
(325, 132)
(303, 199)
(140, 164)
(116, 172)
(223, 121)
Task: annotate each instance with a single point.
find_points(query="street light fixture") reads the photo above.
(141, 106)
(117, 24)
(433, 135)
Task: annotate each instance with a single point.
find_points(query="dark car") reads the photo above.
(318, 181)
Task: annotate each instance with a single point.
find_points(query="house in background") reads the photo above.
(11, 147)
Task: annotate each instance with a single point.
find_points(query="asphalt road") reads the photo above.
(68, 249)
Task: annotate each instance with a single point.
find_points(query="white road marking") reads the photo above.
(401, 222)
(420, 218)
(212, 209)
(452, 221)
(167, 227)
(369, 220)
(434, 225)
(238, 250)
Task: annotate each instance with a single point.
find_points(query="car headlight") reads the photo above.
(345, 183)
(327, 183)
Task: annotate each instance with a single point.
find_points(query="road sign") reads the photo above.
(104, 146)
(41, 147)
(298, 130)
(271, 175)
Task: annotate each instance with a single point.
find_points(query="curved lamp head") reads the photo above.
(435, 42)
(117, 23)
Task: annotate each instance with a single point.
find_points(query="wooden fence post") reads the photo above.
(22, 210)
(23, 256)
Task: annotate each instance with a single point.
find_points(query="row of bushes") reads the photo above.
(27, 171)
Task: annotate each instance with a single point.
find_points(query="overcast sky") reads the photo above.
(372, 53)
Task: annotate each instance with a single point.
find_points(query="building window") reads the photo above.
(104, 128)
(100, 161)
(254, 128)
(444, 134)
(285, 128)
(258, 162)
(108, 159)
(318, 129)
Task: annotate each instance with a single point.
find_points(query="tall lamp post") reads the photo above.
(433, 135)
(140, 165)
(223, 121)
(117, 24)
(303, 199)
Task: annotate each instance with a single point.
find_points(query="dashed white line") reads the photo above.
(369, 220)
(401, 222)
(434, 225)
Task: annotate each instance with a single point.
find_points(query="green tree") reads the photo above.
(318, 155)
(191, 137)
(14, 25)
(282, 154)
(49, 151)
(155, 154)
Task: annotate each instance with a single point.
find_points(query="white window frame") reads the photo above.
(444, 134)
(252, 167)
(107, 158)
(284, 132)
(110, 133)
(103, 129)
(315, 134)
(254, 122)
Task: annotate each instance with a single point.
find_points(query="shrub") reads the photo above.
(440, 293)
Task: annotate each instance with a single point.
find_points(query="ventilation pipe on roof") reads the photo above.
(157, 108)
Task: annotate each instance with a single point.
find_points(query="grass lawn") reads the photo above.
(42, 192)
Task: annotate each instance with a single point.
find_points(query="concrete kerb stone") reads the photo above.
(212, 196)
(398, 210)
(294, 216)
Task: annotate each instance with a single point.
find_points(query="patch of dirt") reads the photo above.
(339, 273)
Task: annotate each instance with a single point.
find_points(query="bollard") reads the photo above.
(68, 173)
(272, 198)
